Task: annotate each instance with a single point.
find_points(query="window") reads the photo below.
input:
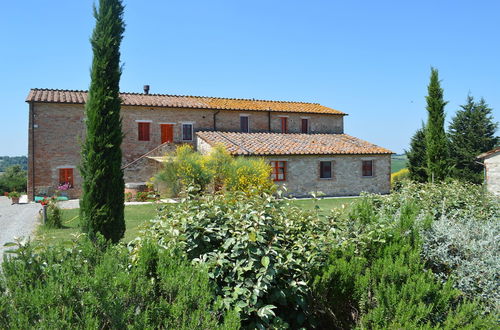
(66, 176)
(367, 167)
(279, 170)
(305, 125)
(143, 131)
(167, 133)
(187, 132)
(284, 125)
(325, 170)
(244, 127)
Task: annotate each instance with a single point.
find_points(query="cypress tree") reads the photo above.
(435, 136)
(101, 206)
(471, 132)
(417, 156)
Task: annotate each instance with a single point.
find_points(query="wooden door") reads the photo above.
(167, 133)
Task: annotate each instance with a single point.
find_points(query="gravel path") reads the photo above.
(18, 220)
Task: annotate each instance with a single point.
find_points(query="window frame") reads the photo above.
(63, 173)
(363, 162)
(275, 165)
(302, 125)
(321, 162)
(141, 133)
(248, 123)
(192, 131)
(284, 124)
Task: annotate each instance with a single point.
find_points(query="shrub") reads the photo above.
(13, 179)
(87, 287)
(376, 278)
(258, 250)
(189, 170)
(398, 177)
(249, 175)
(184, 169)
(141, 196)
(54, 219)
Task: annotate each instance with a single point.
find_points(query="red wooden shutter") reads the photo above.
(143, 129)
(66, 176)
(167, 133)
(367, 168)
(284, 125)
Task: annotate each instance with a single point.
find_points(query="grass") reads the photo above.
(325, 204)
(398, 162)
(137, 215)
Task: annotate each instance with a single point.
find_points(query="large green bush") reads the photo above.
(85, 287)
(13, 179)
(189, 172)
(259, 251)
(376, 278)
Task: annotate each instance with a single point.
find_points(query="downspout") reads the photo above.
(32, 119)
(215, 123)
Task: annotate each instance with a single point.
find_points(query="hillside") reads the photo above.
(398, 162)
(6, 161)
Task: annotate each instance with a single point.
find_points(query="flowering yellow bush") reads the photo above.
(215, 171)
(397, 177)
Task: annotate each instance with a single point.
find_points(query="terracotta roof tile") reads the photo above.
(182, 101)
(291, 144)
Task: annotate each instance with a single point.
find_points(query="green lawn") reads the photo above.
(325, 204)
(135, 216)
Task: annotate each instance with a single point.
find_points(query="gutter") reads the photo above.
(32, 120)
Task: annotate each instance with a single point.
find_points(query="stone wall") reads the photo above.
(302, 175)
(58, 131)
(492, 164)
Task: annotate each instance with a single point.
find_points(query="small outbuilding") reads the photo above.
(491, 160)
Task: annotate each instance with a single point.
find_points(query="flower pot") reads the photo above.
(15, 200)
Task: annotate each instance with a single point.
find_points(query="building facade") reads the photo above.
(154, 124)
(491, 161)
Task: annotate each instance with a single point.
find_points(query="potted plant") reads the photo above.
(63, 189)
(14, 196)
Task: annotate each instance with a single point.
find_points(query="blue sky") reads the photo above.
(370, 59)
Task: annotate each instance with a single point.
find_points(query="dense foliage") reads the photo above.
(101, 206)
(258, 250)
(417, 156)
(6, 161)
(436, 144)
(13, 179)
(216, 171)
(376, 279)
(83, 287)
(471, 132)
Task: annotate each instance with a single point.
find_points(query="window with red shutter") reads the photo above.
(66, 176)
(187, 132)
(143, 131)
(279, 170)
(284, 125)
(367, 168)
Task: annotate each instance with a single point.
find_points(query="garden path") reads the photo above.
(18, 220)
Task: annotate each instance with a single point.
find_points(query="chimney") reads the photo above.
(146, 89)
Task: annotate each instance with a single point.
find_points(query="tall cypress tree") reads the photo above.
(101, 206)
(435, 136)
(471, 132)
(417, 156)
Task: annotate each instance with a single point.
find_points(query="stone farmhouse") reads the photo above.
(305, 143)
(491, 161)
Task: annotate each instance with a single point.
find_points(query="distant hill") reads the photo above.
(6, 161)
(398, 162)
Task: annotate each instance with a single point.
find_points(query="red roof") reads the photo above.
(182, 101)
(291, 144)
